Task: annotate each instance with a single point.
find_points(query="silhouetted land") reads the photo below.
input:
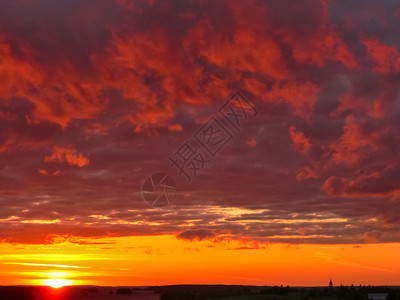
(196, 292)
(226, 292)
(76, 293)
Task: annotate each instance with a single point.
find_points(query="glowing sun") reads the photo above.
(57, 283)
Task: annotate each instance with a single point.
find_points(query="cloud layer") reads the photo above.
(94, 98)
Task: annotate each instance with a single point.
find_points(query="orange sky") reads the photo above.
(163, 260)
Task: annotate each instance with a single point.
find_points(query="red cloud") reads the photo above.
(372, 105)
(306, 173)
(383, 183)
(357, 139)
(252, 142)
(301, 96)
(247, 53)
(67, 154)
(58, 94)
(300, 142)
(321, 47)
(175, 127)
(387, 59)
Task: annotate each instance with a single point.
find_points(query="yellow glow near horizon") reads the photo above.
(159, 260)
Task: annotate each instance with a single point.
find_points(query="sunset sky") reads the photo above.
(96, 95)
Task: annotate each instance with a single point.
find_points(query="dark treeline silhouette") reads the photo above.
(178, 292)
(17, 293)
(222, 292)
(123, 291)
(218, 292)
